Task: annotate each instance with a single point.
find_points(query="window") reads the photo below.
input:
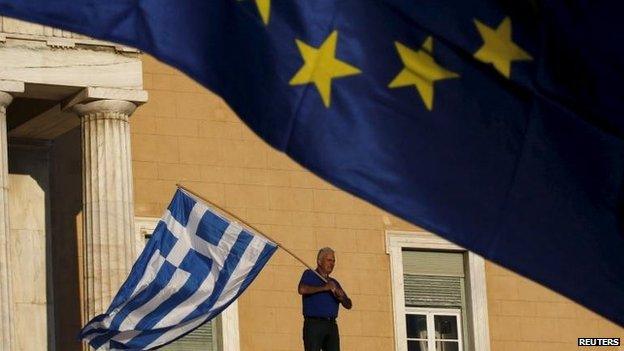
(220, 334)
(433, 285)
(439, 294)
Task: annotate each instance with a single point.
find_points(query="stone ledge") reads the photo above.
(11, 86)
(75, 67)
(89, 94)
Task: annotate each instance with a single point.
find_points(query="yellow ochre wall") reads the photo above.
(187, 134)
(526, 316)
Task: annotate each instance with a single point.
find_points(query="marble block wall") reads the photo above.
(29, 269)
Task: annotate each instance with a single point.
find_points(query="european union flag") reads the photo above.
(495, 124)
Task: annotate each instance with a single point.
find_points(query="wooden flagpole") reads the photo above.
(249, 226)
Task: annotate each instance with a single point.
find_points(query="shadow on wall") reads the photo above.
(66, 189)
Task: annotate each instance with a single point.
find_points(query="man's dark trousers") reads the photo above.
(320, 334)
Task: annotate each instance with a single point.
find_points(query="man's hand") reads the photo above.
(331, 286)
(343, 298)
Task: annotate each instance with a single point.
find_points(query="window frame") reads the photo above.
(229, 338)
(430, 313)
(476, 294)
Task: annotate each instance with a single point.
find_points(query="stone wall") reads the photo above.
(525, 316)
(30, 268)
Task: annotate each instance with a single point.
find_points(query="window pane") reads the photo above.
(416, 326)
(447, 346)
(445, 327)
(416, 345)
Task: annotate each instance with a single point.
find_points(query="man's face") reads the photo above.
(326, 262)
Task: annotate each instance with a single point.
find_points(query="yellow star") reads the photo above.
(420, 70)
(264, 7)
(321, 66)
(498, 49)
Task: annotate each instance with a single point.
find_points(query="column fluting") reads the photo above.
(6, 303)
(108, 213)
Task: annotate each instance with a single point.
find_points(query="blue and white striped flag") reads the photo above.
(196, 263)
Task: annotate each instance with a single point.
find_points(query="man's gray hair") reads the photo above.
(324, 251)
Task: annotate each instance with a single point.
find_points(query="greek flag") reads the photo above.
(196, 263)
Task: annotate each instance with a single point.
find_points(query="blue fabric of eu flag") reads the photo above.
(495, 124)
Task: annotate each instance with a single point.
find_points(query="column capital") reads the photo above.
(5, 99)
(104, 106)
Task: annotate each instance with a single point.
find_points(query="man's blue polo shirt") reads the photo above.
(322, 304)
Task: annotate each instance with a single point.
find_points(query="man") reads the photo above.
(321, 301)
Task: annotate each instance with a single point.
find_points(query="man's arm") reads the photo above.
(305, 289)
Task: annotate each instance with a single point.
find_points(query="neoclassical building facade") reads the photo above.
(89, 161)
(65, 101)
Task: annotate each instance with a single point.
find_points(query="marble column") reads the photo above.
(108, 214)
(6, 303)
